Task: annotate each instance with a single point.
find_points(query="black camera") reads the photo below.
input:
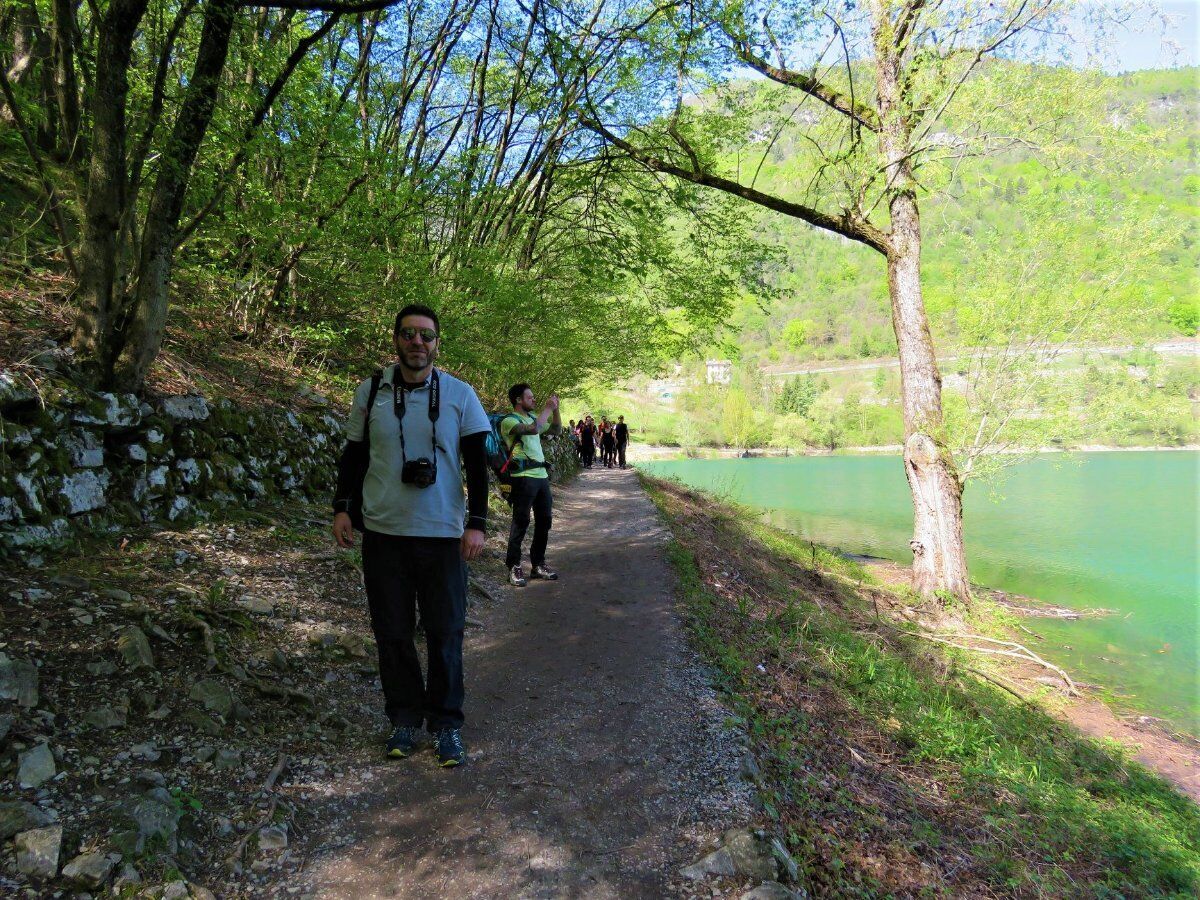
(419, 472)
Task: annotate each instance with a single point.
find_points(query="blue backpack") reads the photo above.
(500, 455)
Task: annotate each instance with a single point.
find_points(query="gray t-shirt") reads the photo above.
(389, 505)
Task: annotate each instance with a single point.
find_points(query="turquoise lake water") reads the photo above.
(1111, 530)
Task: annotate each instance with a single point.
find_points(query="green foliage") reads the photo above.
(796, 333)
(1184, 316)
(797, 396)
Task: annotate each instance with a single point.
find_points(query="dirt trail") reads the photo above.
(600, 762)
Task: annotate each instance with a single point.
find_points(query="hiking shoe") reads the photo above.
(450, 749)
(543, 572)
(403, 742)
(516, 577)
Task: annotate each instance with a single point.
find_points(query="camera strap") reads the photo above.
(435, 409)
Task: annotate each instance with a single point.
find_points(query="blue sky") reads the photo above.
(1165, 40)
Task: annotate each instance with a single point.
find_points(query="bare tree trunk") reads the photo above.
(66, 85)
(30, 55)
(104, 204)
(147, 316)
(939, 556)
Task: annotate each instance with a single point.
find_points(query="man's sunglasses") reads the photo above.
(428, 335)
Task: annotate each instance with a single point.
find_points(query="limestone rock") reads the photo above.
(37, 852)
(154, 816)
(17, 816)
(773, 890)
(272, 838)
(718, 862)
(147, 751)
(180, 507)
(135, 648)
(90, 871)
(33, 500)
(202, 723)
(751, 853)
(112, 593)
(192, 408)
(189, 471)
(15, 390)
(789, 870)
(84, 449)
(105, 717)
(9, 510)
(35, 766)
(214, 694)
(256, 606)
(18, 681)
(126, 878)
(227, 758)
(121, 410)
(73, 582)
(84, 491)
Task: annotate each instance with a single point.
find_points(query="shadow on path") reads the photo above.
(600, 761)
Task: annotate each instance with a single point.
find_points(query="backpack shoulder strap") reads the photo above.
(376, 378)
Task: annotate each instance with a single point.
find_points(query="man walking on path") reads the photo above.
(530, 482)
(408, 429)
(622, 439)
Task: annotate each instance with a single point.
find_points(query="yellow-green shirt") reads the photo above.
(528, 446)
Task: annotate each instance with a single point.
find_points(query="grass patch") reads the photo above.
(889, 769)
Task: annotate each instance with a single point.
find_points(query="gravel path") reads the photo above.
(600, 761)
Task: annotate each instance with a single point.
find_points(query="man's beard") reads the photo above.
(416, 360)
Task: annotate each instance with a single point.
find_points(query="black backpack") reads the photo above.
(354, 507)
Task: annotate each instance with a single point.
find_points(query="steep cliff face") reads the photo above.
(72, 459)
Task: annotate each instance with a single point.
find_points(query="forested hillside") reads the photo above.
(1065, 225)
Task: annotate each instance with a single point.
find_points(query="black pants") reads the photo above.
(621, 454)
(588, 453)
(402, 575)
(530, 494)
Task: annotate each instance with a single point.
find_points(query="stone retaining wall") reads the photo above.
(71, 459)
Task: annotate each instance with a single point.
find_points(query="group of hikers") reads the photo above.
(611, 438)
(412, 435)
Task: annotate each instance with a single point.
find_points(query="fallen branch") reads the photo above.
(484, 592)
(234, 860)
(206, 636)
(1021, 652)
(998, 683)
(265, 687)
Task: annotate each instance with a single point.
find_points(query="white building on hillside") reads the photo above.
(718, 371)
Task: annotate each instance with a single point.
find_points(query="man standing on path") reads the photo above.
(407, 431)
(530, 482)
(622, 440)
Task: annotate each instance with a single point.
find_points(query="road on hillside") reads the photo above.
(1179, 347)
(600, 764)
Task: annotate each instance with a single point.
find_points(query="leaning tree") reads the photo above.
(875, 90)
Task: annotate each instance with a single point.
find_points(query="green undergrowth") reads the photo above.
(890, 769)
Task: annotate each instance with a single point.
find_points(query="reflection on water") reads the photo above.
(1112, 530)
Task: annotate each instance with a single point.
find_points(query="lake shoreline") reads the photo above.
(655, 452)
(1170, 751)
(1123, 703)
